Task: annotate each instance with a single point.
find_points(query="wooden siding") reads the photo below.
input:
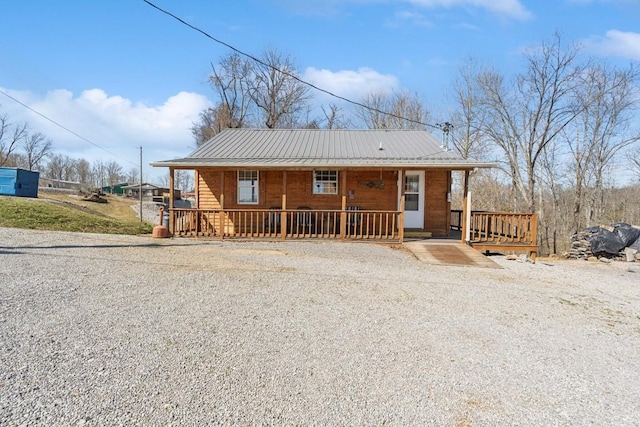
(372, 190)
(437, 207)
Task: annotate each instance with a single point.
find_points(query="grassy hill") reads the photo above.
(67, 212)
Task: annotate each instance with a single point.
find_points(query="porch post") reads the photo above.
(196, 186)
(466, 211)
(171, 200)
(401, 200)
(401, 221)
(343, 214)
(222, 216)
(283, 214)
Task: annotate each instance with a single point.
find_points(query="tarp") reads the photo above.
(604, 241)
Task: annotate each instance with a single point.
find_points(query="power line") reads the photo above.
(311, 85)
(64, 127)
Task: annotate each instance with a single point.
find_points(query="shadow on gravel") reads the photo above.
(17, 250)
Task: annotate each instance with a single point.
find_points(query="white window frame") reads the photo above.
(249, 183)
(325, 182)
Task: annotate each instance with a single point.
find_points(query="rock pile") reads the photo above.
(580, 248)
(618, 240)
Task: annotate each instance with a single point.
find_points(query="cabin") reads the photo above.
(312, 183)
(149, 192)
(118, 189)
(59, 184)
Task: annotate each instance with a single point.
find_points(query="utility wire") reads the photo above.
(65, 128)
(293, 76)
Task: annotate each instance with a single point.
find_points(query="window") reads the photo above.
(411, 192)
(325, 182)
(248, 186)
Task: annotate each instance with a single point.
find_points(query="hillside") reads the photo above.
(69, 212)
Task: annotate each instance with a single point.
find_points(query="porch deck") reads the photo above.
(488, 231)
(503, 232)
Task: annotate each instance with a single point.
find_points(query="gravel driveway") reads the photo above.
(120, 330)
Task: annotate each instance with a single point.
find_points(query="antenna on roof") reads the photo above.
(446, 128)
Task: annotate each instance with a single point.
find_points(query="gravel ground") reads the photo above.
(151, 210)
(121, 330)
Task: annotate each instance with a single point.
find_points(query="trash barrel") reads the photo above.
(165, 219)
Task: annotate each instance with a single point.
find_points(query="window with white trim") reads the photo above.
(248, 187)
(325, 182)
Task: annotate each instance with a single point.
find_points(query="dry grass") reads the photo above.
(116, 207)
(68, 212)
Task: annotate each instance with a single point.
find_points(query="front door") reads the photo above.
(414, 199)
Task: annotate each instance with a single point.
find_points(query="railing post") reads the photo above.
(283, 217)
(534, 229)
(401, 220)
(343, 218)
(220, 221)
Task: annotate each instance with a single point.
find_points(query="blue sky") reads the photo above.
(124, 75)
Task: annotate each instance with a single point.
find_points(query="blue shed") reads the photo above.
(18, 182)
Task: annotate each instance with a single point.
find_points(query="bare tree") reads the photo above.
(398, 110)
(133, 176)
(334, 118)
(206, 127)
(607, 116)
(83, 171)
(277, 90)
(60, 167)
(99, 174)
(524, 118)
(469, 118)
(184, 180)
(634, 160)
(36, 148)
(114, 173)
(231, 83)
(10, 136)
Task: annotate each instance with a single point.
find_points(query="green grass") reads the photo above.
(49, 214)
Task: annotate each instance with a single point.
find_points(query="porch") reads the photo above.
(487, 231)
(502, 232)
(350, 223)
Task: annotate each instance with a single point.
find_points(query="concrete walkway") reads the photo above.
(448, 252)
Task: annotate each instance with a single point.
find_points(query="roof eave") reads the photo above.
(333, 165)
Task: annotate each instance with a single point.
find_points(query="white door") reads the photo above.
(414, 199)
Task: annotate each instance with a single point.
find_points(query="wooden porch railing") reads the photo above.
(456, 219)
(288, 224)
(504, 231)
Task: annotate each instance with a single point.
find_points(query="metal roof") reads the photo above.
(313, 148)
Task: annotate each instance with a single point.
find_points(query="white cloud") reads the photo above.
(616, 43)
(510, 8)
(354, 85)
(115, 125)
(405, 17)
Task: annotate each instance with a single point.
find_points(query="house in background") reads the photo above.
(310, 183)
(117, 189)
(59, 184)
(149, 192)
